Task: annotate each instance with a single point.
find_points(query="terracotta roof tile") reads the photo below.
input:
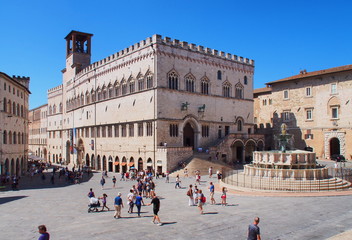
(312, 74)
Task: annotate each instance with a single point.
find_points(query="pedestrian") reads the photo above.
(198, 177)
(210, 172)
(178, 182)
(195, 195)
(44, 235)
(118, 205)
(253, 230)
(102, 182)
(223, 196)
(139, 201)
(201, 201)
(212, 190)
(130, 201)
(122, 176)
(103, 198)
(114, 181)
(185, 173)
(52, 179)
(91, 193)
(219, 175)
(167, 177)
(190, 196)
(156, 207)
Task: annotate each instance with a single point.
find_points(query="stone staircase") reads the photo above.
(200, 161)
(271, 184)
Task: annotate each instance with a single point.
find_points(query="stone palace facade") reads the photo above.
(148, 106)
(14, 92)
(316, 107)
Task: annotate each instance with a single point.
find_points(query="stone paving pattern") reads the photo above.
(63, 209)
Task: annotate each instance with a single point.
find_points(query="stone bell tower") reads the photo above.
(78, 51)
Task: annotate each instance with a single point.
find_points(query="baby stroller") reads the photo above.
(93, 205)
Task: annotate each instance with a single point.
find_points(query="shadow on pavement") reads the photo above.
(9, 199)
(210, 212)
(168, 223)
(36, 182)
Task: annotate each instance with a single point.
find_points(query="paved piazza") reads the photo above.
(63, 209)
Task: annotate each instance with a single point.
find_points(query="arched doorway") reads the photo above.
(98, 163)
(7, 167)
(188, 136)
(124, 165)
(104, 163)
(131, 164)
(60, 158)
(149, 164)
(87, 160)
(260, 145)
(237, 150)
(140, 164)
(68, 152)
(93, 161)
(117, 162)
(12, 170)
(334, 146)
(249, 149)
(110, 164)
(18, 167)
(45, 153)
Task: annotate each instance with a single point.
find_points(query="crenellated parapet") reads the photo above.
(158, 39)
(200, 49)
(55, 89)
(22, 80)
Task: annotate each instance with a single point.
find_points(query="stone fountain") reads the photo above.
(285, 170)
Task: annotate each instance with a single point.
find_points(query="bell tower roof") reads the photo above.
(78, 42)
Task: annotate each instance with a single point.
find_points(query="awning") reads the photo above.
(116, 163)
(123, 164)
(131, 164)
(149, 164)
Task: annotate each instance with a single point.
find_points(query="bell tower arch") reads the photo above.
(78, 51)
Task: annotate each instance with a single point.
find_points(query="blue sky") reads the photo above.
(283, 37)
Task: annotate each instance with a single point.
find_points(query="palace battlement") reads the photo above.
(157, 39)
(52, 90)
(22, 80)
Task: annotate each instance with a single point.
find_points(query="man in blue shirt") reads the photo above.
(118, 204)
(212, 190)
(253, 230)
(43, 234)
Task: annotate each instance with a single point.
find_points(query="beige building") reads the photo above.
(149, 105)
(38, 132)
(14, 92)
(314, 105)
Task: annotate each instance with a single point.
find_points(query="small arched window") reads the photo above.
(245, 80)
(14, 108)
(14, 138)
(5, 137)
(10, 137)
(5, 105)
(219, 75)
(239, 125)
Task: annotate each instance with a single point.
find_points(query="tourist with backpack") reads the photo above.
(201, 201)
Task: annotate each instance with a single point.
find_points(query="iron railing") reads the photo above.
(338, 179)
